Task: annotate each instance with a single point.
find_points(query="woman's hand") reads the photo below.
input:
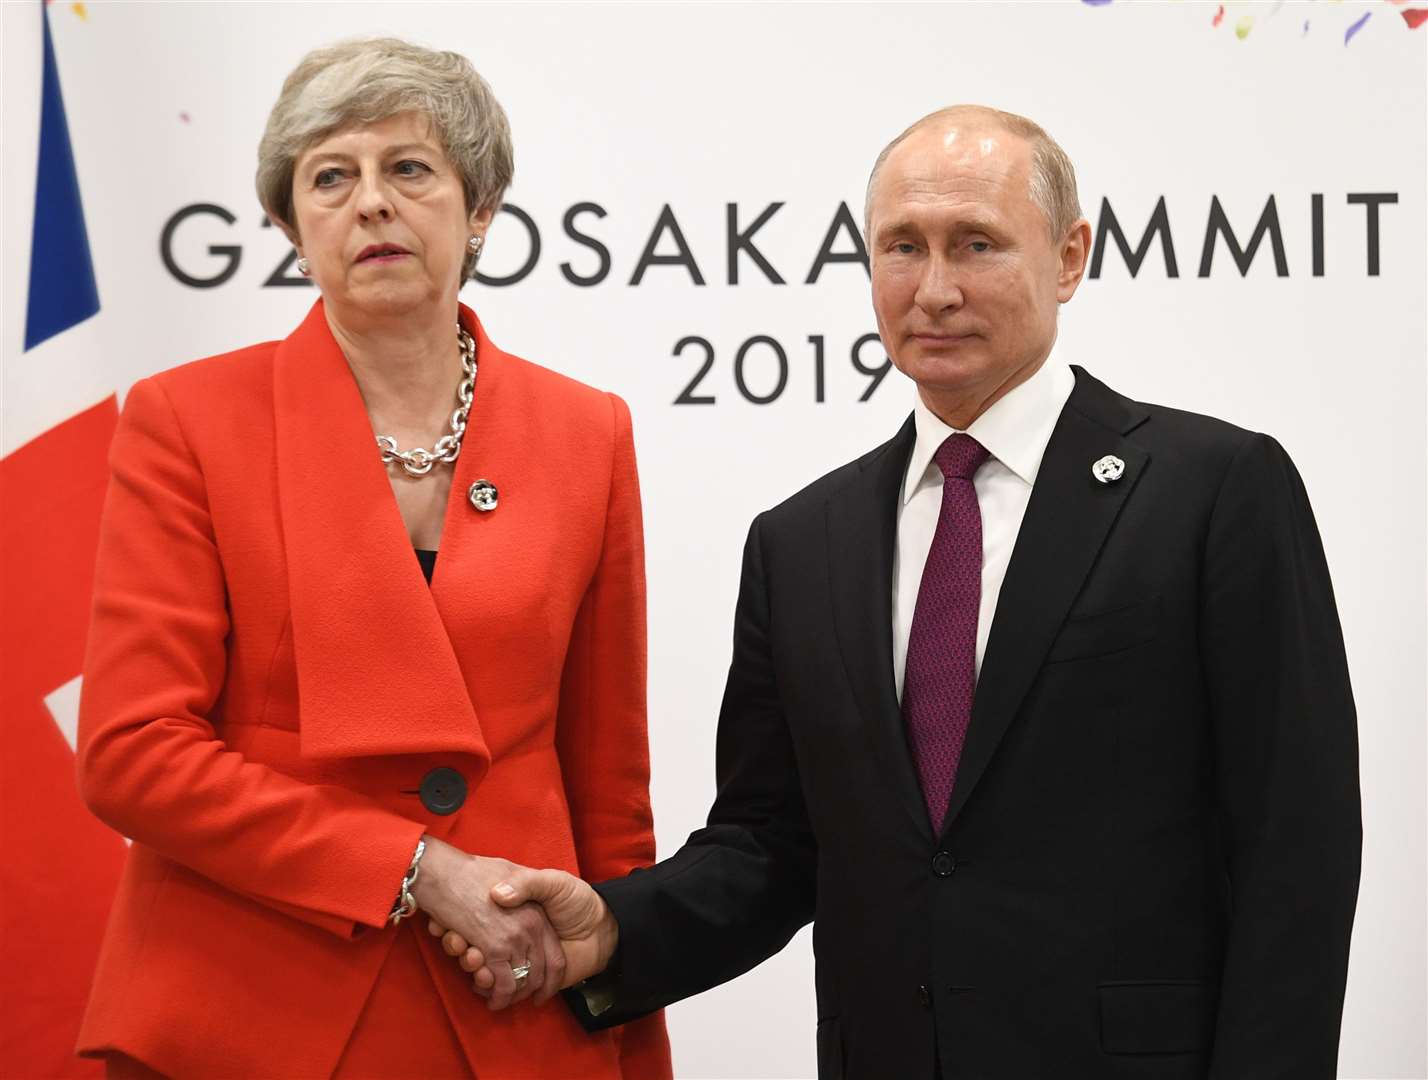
(588, 931)
(454, 889)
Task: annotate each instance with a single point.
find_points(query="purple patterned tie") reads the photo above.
(941, 673)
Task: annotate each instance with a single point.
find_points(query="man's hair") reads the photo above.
(369, 79)
(1053, 179)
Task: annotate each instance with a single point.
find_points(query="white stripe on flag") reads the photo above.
(20, 75)
(69, 372)
(63, 703)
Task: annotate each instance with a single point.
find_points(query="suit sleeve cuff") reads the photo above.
(606, 1000)
(594, 998)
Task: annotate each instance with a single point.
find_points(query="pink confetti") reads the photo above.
(1359, 25)
(184, 117)
(1219, 16)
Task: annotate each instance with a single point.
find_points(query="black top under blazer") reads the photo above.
(1151, 857)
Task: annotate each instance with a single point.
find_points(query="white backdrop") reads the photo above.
(635, 108)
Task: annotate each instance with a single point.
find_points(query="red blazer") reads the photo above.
(269, 678)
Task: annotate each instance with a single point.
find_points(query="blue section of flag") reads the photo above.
(62, 288)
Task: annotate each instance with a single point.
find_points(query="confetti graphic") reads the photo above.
(1413, 17)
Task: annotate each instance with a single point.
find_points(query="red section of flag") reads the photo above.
(1414, 17)
(60, 866)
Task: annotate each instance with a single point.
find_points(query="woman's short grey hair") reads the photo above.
(1053, 179)
(368, 80)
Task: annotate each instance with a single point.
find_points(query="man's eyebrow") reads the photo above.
(907, 227)
(978, 223)
(896, 227)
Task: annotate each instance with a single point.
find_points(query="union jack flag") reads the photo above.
(60, 866)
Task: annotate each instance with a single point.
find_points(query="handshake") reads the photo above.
(520, 933)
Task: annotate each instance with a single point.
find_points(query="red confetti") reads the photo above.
(1414, 17)
(1219, 16)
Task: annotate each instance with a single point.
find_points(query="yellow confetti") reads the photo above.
(80, 10)
(1244, 26)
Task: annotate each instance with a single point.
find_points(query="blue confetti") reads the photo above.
(1359, 25)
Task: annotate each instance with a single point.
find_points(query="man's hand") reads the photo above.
(588, 932)
(454, 889)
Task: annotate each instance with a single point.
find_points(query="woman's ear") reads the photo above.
(479, 221)
(289, 231)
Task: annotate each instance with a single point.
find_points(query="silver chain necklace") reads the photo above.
(419, 462)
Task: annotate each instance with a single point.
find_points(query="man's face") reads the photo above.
(966, 276)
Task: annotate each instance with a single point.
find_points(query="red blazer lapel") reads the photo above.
(490, 451)
(376, 670)
(481, 552)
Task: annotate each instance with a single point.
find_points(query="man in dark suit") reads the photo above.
(1039, 711)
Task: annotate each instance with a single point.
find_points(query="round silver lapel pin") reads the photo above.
(1109, 469)
(483, 495)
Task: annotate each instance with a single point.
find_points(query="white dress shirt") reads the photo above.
(1015, 431)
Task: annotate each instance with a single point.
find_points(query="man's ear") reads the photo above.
(1075, 251)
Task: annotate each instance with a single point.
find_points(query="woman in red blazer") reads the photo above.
(305, 740)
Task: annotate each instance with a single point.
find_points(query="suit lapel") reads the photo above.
(498, 447)
(862, 534)
(376, 670)
(1067, 520)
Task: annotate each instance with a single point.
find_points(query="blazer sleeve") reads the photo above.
(601, 734)
(1286, 753)
(150, 762)
(739, 888)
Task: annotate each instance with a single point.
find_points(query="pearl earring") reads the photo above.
(304, 267)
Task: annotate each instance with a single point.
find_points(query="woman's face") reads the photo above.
(381, 217)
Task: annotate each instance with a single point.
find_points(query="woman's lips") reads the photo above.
(381, 253)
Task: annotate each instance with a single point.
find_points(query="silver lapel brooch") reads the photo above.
(1109, 469)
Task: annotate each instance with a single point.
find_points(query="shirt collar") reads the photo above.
(1015, 430)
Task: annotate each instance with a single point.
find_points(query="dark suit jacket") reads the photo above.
(1151, 857)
